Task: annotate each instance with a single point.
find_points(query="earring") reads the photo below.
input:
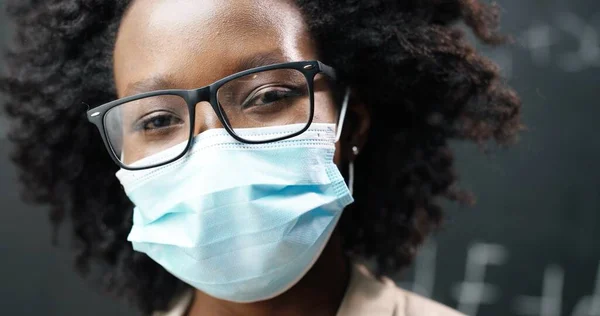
(355, 151)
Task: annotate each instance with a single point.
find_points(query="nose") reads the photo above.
(206, 118)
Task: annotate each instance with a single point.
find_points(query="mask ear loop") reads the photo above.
(351, 177)
(342, 117)
(340, 126)
(355, 151)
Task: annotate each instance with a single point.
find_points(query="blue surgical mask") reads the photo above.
(240, 222)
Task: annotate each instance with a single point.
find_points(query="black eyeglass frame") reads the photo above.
(208, 93)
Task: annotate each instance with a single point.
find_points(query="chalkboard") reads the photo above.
(531, 244)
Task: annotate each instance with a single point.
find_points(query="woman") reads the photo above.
(235, 128)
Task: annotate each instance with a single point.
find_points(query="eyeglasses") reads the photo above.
(140, 126)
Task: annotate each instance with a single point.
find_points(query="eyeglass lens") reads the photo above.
(156, 129)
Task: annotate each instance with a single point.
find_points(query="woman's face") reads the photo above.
(188, 44)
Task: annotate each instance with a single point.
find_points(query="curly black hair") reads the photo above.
(423, 81)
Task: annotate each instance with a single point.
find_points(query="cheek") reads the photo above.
(325, 108)
(326, 112)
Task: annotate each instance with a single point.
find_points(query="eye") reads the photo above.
(157, 121)
(271, 95)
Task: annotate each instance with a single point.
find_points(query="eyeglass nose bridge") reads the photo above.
(204, 94)
(198, 97)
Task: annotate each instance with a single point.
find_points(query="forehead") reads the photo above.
(196, 42)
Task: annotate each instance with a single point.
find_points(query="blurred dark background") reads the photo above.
(530, 246)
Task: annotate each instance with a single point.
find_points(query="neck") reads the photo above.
(319, 292)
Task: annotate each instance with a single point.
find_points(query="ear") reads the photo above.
(358, 120)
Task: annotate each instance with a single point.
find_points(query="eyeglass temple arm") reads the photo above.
(329, 71)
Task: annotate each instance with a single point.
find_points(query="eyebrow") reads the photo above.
(158, 82)
(259, 60)
(163, 82)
